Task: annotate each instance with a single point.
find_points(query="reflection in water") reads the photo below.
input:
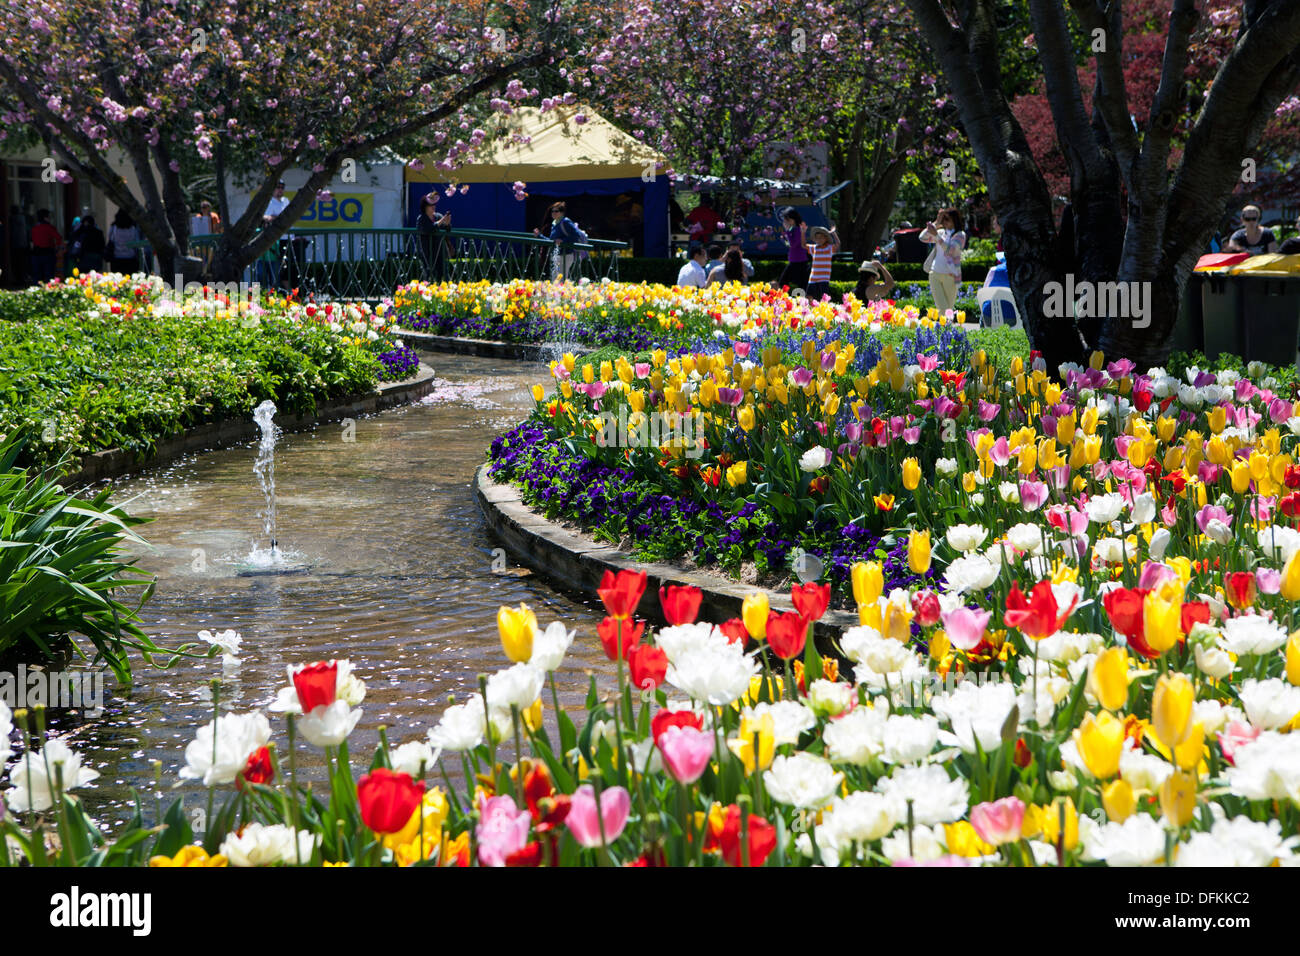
(396, 574)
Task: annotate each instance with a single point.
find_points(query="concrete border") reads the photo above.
(115, 462)
(579, 562)
(487, 348)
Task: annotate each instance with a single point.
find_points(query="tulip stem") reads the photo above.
(519, 757)
(293, 787)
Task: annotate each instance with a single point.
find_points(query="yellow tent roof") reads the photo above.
(558, 148)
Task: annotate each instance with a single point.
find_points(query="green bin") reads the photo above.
(1189, 330)
(1221, 324)
(1270, 308)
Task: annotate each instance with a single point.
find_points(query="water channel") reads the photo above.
(393, 568)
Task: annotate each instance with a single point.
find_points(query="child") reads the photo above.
(825, 244)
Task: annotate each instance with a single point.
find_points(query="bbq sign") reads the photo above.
(340, 211)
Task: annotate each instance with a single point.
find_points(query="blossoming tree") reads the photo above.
(256, 88)
(1173, 204)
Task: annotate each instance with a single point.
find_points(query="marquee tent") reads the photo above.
(615, 187)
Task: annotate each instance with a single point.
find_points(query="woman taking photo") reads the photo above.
(944, 261)
(433, 246)
(799, 264)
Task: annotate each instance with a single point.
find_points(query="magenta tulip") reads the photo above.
(965, 627)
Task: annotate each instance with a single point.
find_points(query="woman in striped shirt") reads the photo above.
(825, 244)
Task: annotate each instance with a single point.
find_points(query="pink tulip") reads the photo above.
(502, 830)
(584, 819)
(1154, 574)
(1000, 821)
(686, 752)
(988, 410)
(801, 376)
(965, 626)
(1279, 409)
(1210, 513)
(742, 349)
(1269, 580)
(1234, 736)
(912, 435)
(928, 363)
(1033, 495)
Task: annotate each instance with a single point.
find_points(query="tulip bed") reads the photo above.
(1021, 733)
(107, 360)
(631, 317)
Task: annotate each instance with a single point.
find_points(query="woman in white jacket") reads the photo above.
(944, 262)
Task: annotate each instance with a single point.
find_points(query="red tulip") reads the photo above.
(680, 604)
(654, 856)
(388, 799)
(1039, 616)
(762, 839)
(622, 592)
(1194, 612)
(1289, 505)
(618, 636)
(1240, 589)
(1124, 608)
(674, 718)
(530, 855)
(812, 600)
(925, 604)
(647, 666)
(1023, 757)
(258, 769)
(787, 633)
(317, 685)
(537, 787)
(735, 631)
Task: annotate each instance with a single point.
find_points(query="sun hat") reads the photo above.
(815, 230)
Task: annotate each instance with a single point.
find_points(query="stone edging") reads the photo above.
(114, 462)
(580, 562)
(487, 348)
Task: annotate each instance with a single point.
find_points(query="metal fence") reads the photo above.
(370, 263)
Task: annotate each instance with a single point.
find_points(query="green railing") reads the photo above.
(371, 263)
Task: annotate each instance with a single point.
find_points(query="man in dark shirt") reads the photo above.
(1291, 246)
(1251, 238)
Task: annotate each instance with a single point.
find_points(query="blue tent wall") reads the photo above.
(493, 205)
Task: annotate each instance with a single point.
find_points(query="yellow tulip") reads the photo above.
(868, 579)
(539, 393)
(753, 611)
(962, 839)
(1291, 578)
(1096, 360)
(433, 809)
(517, 627)
(1050, 823)
(1217, 419)
(1293, 658)
(588, 373)
(738, 474)
(1218, 452)
(1091, 416)
(1162, 621)
(939, 645)
(918, 551)
(1178, 798)
(1117, 797)
(1065, 428)
(1240, 474)
(1189, 753)
(745, 417)
(1108, 678)
(895, 621)
(911, 473)
(742, 745)
(1100, 741)
(1171, 708)
(1258, 462)
(1017, 365)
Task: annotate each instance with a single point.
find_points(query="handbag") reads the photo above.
(929, 260)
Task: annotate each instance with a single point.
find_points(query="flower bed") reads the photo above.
(1021, 733)
(110, 361)
(631, 317)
